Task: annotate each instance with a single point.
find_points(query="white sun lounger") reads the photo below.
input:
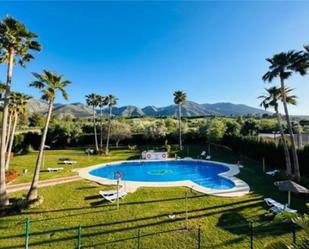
(67, 162)
(277, 207)
(112, 195)
(54, 169)
(273, 172)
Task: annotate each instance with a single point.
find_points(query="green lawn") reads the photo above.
(54, 158)
(54, 224)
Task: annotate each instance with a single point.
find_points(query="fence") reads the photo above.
(249, 235)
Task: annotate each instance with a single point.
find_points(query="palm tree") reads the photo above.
(15, 44)
(179, 99)
(102, 101)
(282, 66)
(274, 95)
(112, 100)
(49, 83)
(92, 100)
(18, 102)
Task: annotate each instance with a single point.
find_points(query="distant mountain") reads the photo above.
(34, 105)
(73, 110)
(189, 109)
(228, 109)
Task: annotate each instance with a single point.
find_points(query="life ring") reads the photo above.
(164, 156)
(148, 156)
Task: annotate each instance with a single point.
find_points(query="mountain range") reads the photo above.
(189, 109)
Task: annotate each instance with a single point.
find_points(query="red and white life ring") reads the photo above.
(148, 155)
(163, 155)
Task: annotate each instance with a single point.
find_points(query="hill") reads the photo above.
(189, 109)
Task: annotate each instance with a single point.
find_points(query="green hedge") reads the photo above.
(256, 148)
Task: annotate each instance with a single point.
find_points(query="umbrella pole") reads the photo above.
(289, 198)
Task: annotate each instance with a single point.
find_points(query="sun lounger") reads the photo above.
(112, 195)
(273, 172)
(67, 162)
(54, 169)
(277, 207)
(204, 155)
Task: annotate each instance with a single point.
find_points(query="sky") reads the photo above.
(142, 52)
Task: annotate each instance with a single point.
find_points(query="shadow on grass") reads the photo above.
(152, 221)
(228, 220)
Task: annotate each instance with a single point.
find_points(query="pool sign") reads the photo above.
(118, 175)
(156, 155)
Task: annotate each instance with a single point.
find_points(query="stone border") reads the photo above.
(241, 188)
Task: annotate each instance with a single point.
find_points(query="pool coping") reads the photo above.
(241, 188)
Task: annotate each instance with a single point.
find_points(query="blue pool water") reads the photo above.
(201, 173)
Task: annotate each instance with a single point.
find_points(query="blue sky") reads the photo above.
(143, 51)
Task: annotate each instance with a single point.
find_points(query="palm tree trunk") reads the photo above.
(109, 130)
(33, 192)
(101, 128)
(3, 195)
(179, 126)
(9, 131)
(11, 140)
(294, 151)
(285, 146)
(95, 131)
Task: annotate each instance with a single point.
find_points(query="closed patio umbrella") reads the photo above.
(291, 186)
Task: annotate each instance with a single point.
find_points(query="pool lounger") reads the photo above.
(111, 195)
(68, 162)
(272, 173)
(277, 207)
(54, 169)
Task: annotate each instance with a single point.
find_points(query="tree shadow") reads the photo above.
(227, 222)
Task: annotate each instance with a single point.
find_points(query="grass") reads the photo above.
(55, 223)
(54, 158)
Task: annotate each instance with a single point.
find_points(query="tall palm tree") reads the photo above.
(102, 101)
(282, 66)
(274, 95)
(92, 100)
(180, 98)
(112, 100)
(16, 42)
(18, 102)
(49, 83)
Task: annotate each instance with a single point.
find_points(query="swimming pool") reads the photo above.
(205, 174)
(208, 177)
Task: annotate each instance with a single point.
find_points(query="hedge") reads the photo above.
(273, 154)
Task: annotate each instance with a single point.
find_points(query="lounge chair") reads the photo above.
(112, 195)
(68, 162)
(54, 169)
(204, 155)
(277, 207)
(273, 172)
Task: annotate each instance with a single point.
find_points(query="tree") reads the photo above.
(18, 106)
(155, 130)
(120, 131)
(112, 100)
(49, 83)
(282, 66)
(179, 99)
(274, 95)
(102, 101)
(36, 120)
(16, 42)
(92, 100)
(250, 127)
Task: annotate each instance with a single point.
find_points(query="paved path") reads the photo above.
(51, 182)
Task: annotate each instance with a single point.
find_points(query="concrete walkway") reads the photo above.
(51, 182)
